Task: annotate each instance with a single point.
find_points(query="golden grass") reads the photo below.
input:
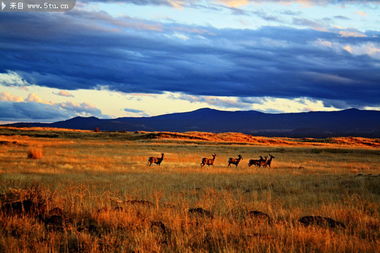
(46, 129)
(240, 138)
(30, 141)
(93, 225)
(216, 138)
(92, 181)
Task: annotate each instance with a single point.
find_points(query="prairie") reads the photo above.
(109, 200)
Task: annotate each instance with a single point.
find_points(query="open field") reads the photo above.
(111, 201)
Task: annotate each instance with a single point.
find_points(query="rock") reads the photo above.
(137, 202)
(25, 207)
(200, 212)
(54, 223)
(163, 232)
(260, 216)
(159, 226)
(321, 221)
(56, 211)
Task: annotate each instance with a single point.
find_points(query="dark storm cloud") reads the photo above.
(84, 50)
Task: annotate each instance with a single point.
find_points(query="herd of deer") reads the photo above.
(262, 162)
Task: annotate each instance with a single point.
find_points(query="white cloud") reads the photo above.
(356, 34)
(263, 104)
(145, 104)
(63, 93)
(323, 43)
(370, 49)
(35, 98)
(21, 106)
(375, 108)
(177, 3)
(5, 96)
(269, 104)
(234, 3)
(181, 36)
(361, 13)
(212, 101)
(80, 109)
(12, 78)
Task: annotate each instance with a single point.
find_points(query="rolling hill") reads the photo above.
(351, 122)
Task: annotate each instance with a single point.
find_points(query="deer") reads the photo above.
(235, 161)
(268, 161)
(208, 161)
(258, 162)
(156, 160)
(263, 162)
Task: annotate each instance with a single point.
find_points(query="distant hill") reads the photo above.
(351, 122)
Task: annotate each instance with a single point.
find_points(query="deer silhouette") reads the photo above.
(156, 160)
(208, 161)
(235, 161)
(268, 161)
(258, 162)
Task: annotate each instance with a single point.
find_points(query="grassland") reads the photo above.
(95, 177)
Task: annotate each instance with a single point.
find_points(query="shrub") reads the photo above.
(35, 153)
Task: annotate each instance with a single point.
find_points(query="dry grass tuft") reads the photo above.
(35, 153)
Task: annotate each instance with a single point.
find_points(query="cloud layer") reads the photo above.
(86, 50)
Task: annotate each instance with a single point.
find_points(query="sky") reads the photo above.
(134, 58)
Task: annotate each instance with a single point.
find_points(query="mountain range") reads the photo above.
(350, 122)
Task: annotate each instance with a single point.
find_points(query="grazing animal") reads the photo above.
(268, 161)
(235, 161)
(257, 163)
(156, 160)
(263, 162)
(208, 161)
